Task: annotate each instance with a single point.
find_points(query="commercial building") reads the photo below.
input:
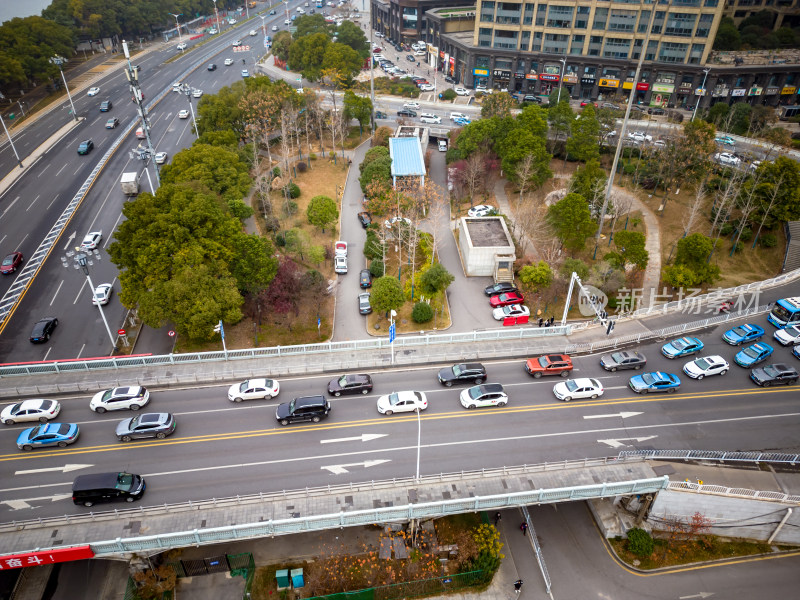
(591, 47)
(786, 12)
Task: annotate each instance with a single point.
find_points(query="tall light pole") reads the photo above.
(177, 25)
(702, 87)
(10, 141)
(83, 259)
(59, 61)
(133, 79)
(187, 91)
(216, 14)
(561, 83)
(286, 4)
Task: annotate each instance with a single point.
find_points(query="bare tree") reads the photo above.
(773, 196)
(525, 170)
(439, 220)
(748, 202)
(690, 216)
(474, 173)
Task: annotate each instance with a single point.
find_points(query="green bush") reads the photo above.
(640, 542)
(312, 156)
(376, 267)
(726, 229)
(294, 190)
(768, 240)
(738, 247)
(629, 169)
(290, 208)
(276, 172)
(449, 94)
(280, 239)
(422, 312)
(747, 234)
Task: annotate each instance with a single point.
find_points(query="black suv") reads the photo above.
(462, 372)
(306, 408)
(774, 375)
(43, 329)
(106, 105)
(406, 112)
(350, 384)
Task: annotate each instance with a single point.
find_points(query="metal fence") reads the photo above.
(721, 490)
(537, 550)
(437, 586)
(721, 456)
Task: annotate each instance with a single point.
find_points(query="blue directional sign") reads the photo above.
(392, 332)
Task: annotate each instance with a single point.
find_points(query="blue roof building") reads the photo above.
(407, 158)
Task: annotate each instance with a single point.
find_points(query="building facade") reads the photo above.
(592, 47)
(787, 12)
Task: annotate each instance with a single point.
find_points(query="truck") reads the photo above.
(251, 4)
(129, 182)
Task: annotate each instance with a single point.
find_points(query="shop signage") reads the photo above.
(533, 76)
(441, 54)
(738, 92)
(771, 91)
(788, 91)
(548, 77)
(610, 83)
(587, 80)
(46, 557)
(664, 88)
(570, 78)
(659, 99)
(479, 72)
(720, 91)
(699, 92)
(432, 49)
(686, 85)
(500, 74)
(755, 91)
(642, 87)
(519, 75)
(627, 85)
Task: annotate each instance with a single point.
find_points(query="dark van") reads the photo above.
(107, 487)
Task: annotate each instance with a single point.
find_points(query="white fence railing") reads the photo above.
(721, 490)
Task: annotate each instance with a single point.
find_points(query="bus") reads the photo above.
(786, 312)
(319, 3)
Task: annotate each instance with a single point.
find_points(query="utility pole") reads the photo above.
(133, 79)
(178, 26)
(371, 75)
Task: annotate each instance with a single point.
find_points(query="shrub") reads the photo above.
(290, 207)
(747, 234)
(280, 239)
(738, 247)
(372, 247)
(312, 156)
(376, 267)
(726, 229)
(640, 542)
(302, 167)
(271, 223)
(629, 169)
(294, 190)
(449, 94)
(422, 312)
(276, 172)
(768, 240)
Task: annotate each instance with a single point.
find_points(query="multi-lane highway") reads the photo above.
(223, 449)
(30, 207)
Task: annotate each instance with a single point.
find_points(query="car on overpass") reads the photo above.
(405, 401)
(91, 240)
(11, 263)
(486, 395)
(705, 366)
(624, 359)
(684, 346)
(85, 147)
(146, 425)
(43, 329)
(774, 375)
(549, 364)
(93, 91)
(132, 397)
(742, 334)
(753, 354)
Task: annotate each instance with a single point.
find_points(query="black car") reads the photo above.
(472, 372)
(411, 58)
(43, 329)
(106, 106)
(212, 67)
(365, 279)
(305, 408)
(774, 375)
(364, 307)
(624, 359)
(147, 425)
(350, 384)
(449, 79)
(406, 112)
(656, 111)
(85, 147)
(500, 288)
(531, 98)
(364, 219)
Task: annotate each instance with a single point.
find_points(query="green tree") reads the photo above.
(221, 112)
(718, 113)
(728, 37)
(358, 108)
(691, 262)
(740, 118)
(374, 154)
(255, 265)
(379, 170)
(312, 24)
(560, 117)
(498, 104)
(387, 294)
(281, 43)
(584, 131)
(574, 265)
(536, 277)
(344, 60)
(435, 279)
(306, 54)
(28, 44)
(589, 179)
(350, 34)
(475, 137)
(516, 146)
(572, 221)
(782, 178)
(630, 249)
(322, 211)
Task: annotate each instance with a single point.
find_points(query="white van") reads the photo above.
(442, 145)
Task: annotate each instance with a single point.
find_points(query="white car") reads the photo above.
(287, 22)
(196, 93)
(121, 398)
(789, 335)
(426, 87)
(93, 91)
(245, 73)
(236, 43)
(487, 394)
(102, 294)
(181, 46)
(726, 158)
(340, 248)
(429, 118)
(412, 105)
(457, 115)
(254, 389)
(274, 28)
(340, 264)
(253, 33)
(212, 31)
(461, 91)
(481, 210)
(91, 240)
(419, 53)
(161, 158)
(402, 402)
(231, 21)
(389, 223)
(176, 87)
(512, 310)
(659, 144)
(578, 389)
(705, 366)
(442, 145)
(30, 410)
(183, 114)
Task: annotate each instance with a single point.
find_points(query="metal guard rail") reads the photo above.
(721, 490)
(717, 455)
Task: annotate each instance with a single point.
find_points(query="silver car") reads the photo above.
(146, 425)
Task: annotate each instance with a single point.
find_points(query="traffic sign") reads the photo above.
(392, 332)
(120, 332)
(171, 333)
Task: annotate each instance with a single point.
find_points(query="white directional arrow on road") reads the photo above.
(24, 502)
(340, 469)
(622, 415)
(364, 437)
(700, 595)
(64, 469)
(619, 443)
(69, 241)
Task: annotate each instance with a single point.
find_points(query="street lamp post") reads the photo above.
(702, 87)
(10, 141)
(83, 260)
(133, 81)
(187, 91)
(59, 61)
(216, 14)
(178, 26)
(286, 4)
(561, 83)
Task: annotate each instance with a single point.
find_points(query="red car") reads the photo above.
(506, 299)
(11, 263)
(550, 364)
(584, 103)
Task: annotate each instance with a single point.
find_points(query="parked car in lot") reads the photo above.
(753, 354)
(776, 374)
(365, 279)
(705, 366)
(500, 288)
(146, 425)
(506, 298)
(511, 310)
(654, 382)
(43, 329)
(258, 388)
(481, 210)
(121, 398)
(350, 384)
(549, 364)
(578, 389)
(365, 219)
(625, 359)
(472, 372)
(30, 410)
(406, 401)
(488, 394)
(743, 334)
(364, 307)
(47, 435)
(340, 248)
(11, 263)
(340, 264)
(461, 91)
(305, 408)
(684, 346)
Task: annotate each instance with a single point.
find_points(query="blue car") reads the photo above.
(461, 121)
(742, 334)
(654, 382)
(752, 355)
(48, 434)
(682, 347)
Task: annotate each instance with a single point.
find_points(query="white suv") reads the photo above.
(340, 264)
(457, 115)
(429, 118)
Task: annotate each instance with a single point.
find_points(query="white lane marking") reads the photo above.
(20, 504)
(8, 208)
(80, 291)
(81, 351)
(61, 169)
(364, 437)
(56, 294)
(30, 206)
(342, 469)
(621, 415)
(46, 354)
(42, 171)
(65, 469)
(618, 442)
(52, 201)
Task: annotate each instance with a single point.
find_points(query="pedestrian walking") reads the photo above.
(552, 320)
(524, 528)
(497, 518)
(518, 585)
(541, 320)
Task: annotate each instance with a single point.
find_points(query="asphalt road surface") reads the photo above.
(222, 449)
